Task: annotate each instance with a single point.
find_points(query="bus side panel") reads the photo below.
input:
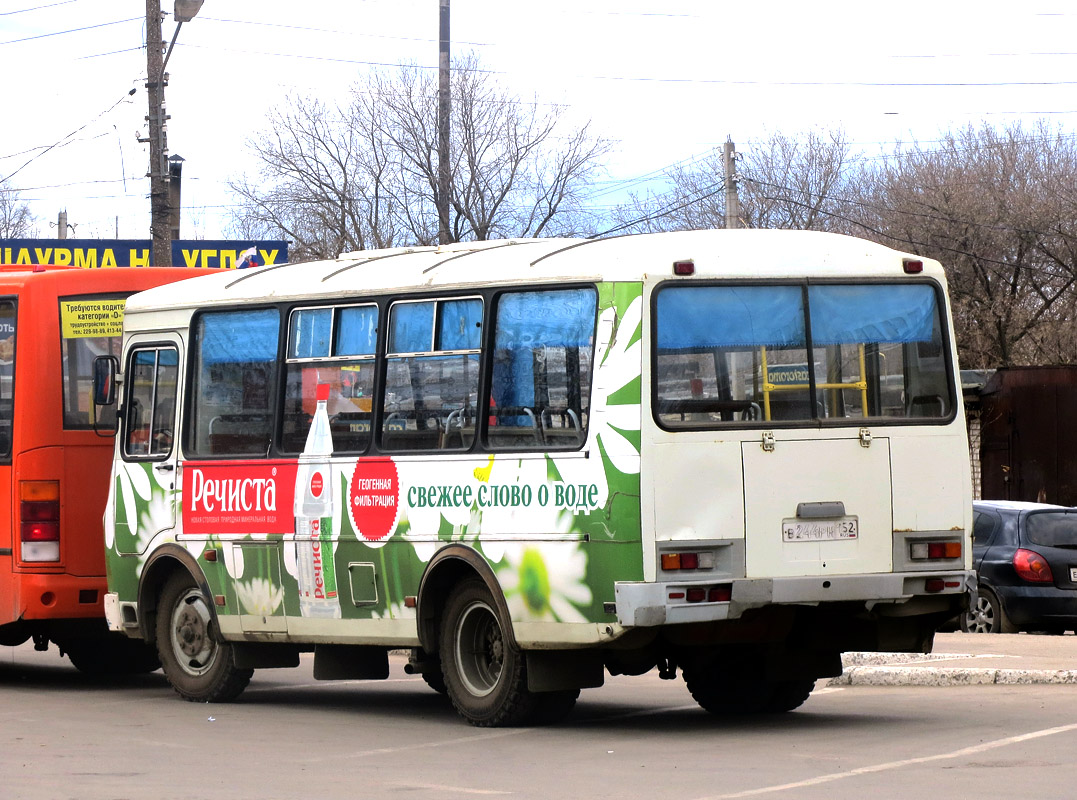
(8, 537)
(558, 530)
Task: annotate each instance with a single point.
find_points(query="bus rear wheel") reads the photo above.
(485, 676)
(742, 692)
(199, 666)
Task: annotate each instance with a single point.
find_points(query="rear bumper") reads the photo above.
(650, 604)
(45, 596)
(1029, 606)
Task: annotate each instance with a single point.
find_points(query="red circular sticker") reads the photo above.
(316, 484)
(374, 498)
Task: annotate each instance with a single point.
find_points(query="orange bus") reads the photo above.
(55, 457)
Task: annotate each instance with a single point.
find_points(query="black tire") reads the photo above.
(485, 676)
(200, 667)
(787, 695)
(434, 678)
(111, 655)
(743, 691)
(552, 707)
(987, 616)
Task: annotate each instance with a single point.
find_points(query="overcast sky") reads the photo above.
(667, 81)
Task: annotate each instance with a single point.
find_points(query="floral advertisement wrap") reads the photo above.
(558, 529)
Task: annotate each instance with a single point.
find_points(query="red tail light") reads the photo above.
(1032, 567)
(720, 594)
(39, 520)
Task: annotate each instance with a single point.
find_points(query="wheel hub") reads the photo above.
(191, 639)
(191, 633)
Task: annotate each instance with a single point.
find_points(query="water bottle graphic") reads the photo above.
(314, 509)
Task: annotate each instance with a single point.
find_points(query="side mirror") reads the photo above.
(104, 380)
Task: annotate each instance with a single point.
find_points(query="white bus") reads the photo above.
(736, 454)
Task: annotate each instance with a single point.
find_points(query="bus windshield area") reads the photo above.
(796, 352)
(7, 375)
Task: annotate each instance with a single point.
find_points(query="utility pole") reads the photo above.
(160, 214)
(444, 109)
(61, 225)
(732, 200)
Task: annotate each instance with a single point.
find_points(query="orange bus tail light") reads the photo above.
(39, 520)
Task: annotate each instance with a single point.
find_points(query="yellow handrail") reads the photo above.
(769, 387)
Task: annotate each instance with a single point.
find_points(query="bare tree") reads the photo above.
(16, 221)
(365, 175)
(799, 182)
(785, 182)
(997, 208)
(314, 188)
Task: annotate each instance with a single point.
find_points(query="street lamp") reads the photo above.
(186, 10)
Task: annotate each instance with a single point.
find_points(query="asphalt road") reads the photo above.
(64, 736)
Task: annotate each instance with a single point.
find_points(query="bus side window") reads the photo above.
(541, 385)
(432, 374)
(151, 402)
(235, 375)
(332, 345)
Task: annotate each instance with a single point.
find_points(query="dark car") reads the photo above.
(1025, 555)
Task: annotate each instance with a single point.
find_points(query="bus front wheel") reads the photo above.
(199, 667)
(485, 676)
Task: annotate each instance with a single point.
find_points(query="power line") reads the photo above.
(72, 30)
(36, 8)
(336, 32)
(110, 53)
(65, 138)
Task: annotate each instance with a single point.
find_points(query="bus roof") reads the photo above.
(715, 253)
(74, 280)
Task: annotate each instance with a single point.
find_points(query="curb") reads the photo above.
(880, 669)
(954, 676)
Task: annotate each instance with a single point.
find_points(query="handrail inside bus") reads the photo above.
(581, 244)
(509, 243)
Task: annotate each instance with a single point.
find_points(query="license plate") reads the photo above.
(820, 530)
(1073, 574)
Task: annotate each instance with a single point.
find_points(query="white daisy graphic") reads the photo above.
(545, 583)
(259, 597)
(619, 362)
(394, 611)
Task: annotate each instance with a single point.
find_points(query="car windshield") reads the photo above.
(1052, 528)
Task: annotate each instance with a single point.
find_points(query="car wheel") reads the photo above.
(986, 616)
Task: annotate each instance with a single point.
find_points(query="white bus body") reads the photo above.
(737, 453)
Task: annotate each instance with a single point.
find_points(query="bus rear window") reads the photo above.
(7, 375)
(89, 327)
(744, 354)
